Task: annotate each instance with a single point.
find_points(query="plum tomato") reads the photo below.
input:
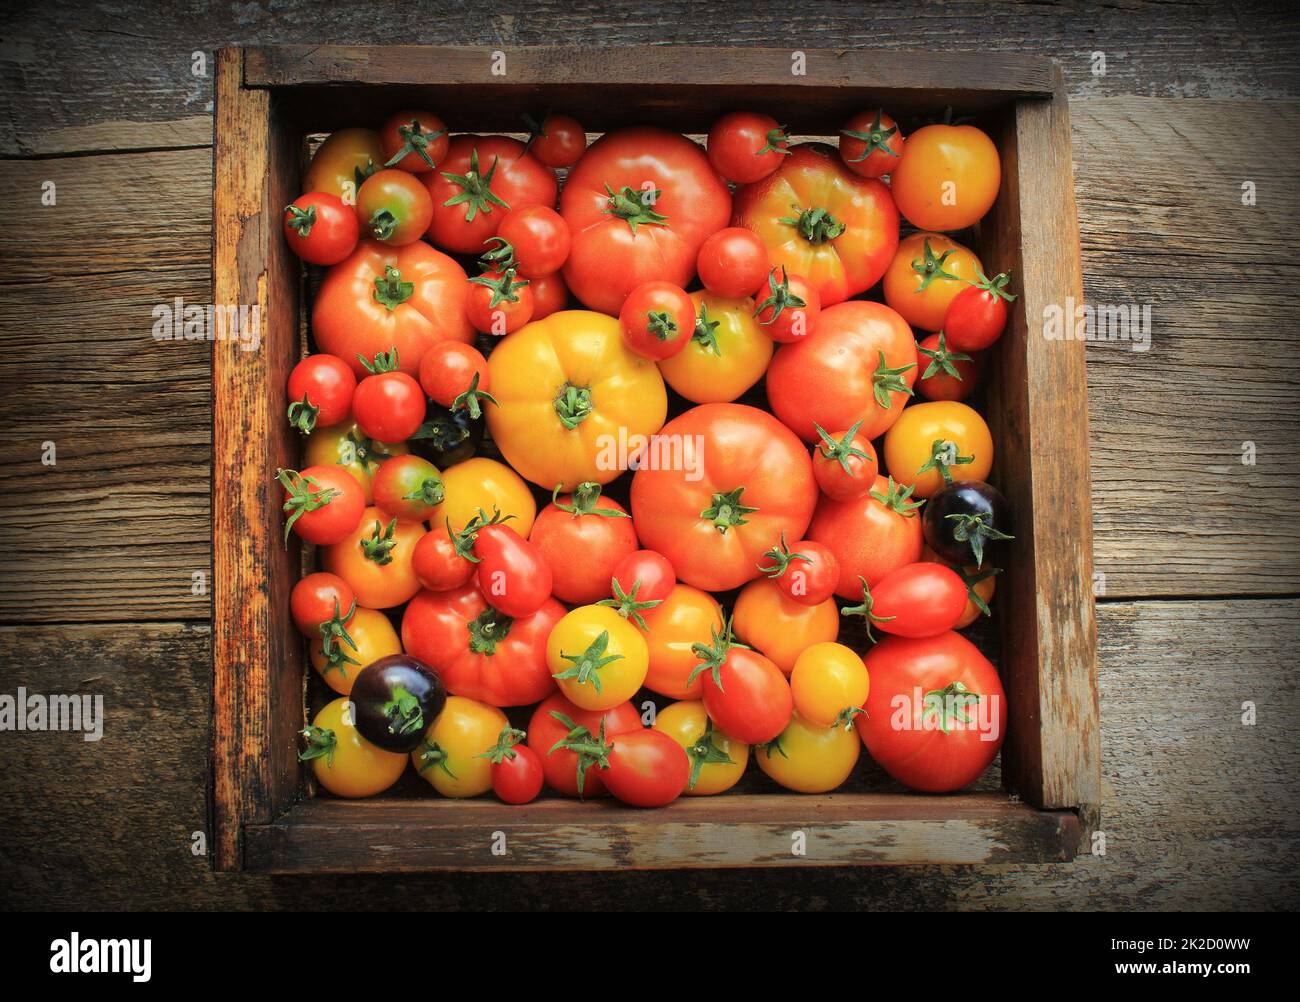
(513, 574)
(645, 768)
(922, 599)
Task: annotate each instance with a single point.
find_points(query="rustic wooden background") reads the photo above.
(1200, 550)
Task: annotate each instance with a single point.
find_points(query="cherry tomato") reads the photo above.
(727, 353)
(539, 238)
(745, 694)
(945, 374)
(717, 761)
(409, 487)
(916, 600)
(324, 503)
(776, 625)
(499, 302)
(438, 563)
(871, 144)
(556, 720)
(455, 375)
(641, 580)
(393, 207)
(947, 178)
(672, 628)
(389, 404)
(733, 262)
(414, 141)
(320, 392)
(844, 463)
(977, 315)
(597, 658)
(516, 769)
(806, 572)
(558, 141)
(368, 637)
(646, 768)
(512, 572)
(346, 446)
(870, 535)
(550, 295)
(808, 758)
(927, 271)
(320, 228)
(344, 160)
(318, 599)
(375, 559)
(452, 757)
(583, 537)
(657, 320)
(343, 761)
(787, 309)
(746, 146)
(935, 443)
(980, 585)
(829, 684)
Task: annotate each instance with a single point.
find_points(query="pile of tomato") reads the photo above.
(470, 307)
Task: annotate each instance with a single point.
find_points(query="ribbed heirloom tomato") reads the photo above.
(639, 204)
(729, 481)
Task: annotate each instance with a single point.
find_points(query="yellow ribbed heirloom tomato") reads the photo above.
(572, 402)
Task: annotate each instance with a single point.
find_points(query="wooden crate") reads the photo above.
(268, 99)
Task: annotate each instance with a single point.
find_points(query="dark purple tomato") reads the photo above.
(966, 520)
(395, 699)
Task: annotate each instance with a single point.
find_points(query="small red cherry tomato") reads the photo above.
(409, 487)
(923, 599)
(539, 238)
(450, 371)
(945, 374)
(320, 392)
(516, 769)
(844, 463)
(807, 572)
(640, 578)
(745, 146)
(788, 308)
(389, 405)
(393, 207)
(499, 303)
(513, 575)
(646, 768)
(438, 564)
(733, 263)
(558, 141)
(322, 507)
(745, 693)
(657, 320)
(414, 141)
(321, 228)
(320, 598)
(550, 295)
(977, 316)
(871, 143)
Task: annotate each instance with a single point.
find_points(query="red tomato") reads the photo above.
(455, 376)
(539, 238)
(478, 652)
(320, 392)
(583, 537)
(319, 598)
(936, 712)
(916, 600)
(870, 144)
(807, 572)
(414, 141)
(513, 573)
(389, 405)
(646, 768)
(438, 564)
(641, 580)
(732, 263)
(323, 507)
(408, 487)
(550, 295)
(859, 366)
(393, 207)
(745, 147)
(558, 141)
(977, 316)
(787, 310)
(320, 228)
(945, 374)
(869, 535)
(844, 464)
(382, 298)
(499, 303)
(482, 179)
(639, 204)
(516, 769)
(657, 320)
(568, 773)
(745, 693)
(714, 511)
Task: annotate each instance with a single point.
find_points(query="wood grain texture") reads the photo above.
(1199, 810)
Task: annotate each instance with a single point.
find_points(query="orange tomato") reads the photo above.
(776, 625)
(926, 273)
(686, 617)
(376, 560)
(947, 178)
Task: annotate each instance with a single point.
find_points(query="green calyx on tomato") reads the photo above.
(864, 609)
(930, 267)
(660, 325)
(465, 539)
(995, 286)
(321, 743)
(896, 499)
(726, 510)
(943, 455)
(704, 751)
(476, 189)
(846, 715)
(378, 546)
(586, 666)
(815, 225)
(433, 754)
(779, 298)
(573, 405)
(430, 492)
(781, 558)
(584, 500)
(774, 745)
(713, 654)
(390, 291)
(488, 629)
(414, 140)
(886, 380)
(302, 498)
(301, 220)
(774, 139)
(941, 359)
(383, 362)
(976, 529)
(302, 415)
(626, 604)
(949, 705)
(873, 139)
(703, 334)
(840, 450)
(381, 224)
(504, 749)
(971, 580)
(469, 400)
(504, 286)
(590, 749)
(335, 629)
(499, 258)
(403, 713)
(635, 209)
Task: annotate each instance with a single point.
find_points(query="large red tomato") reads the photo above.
(479, 652)
(859, 365)
(383, 297)
(721, 485)
(869, 535)
(936, 713)
(822, 221)
(639, 204)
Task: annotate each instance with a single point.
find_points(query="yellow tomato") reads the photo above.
(717, 761)
(981, 580)
(375, 638)
(829, 681)
(345, 445)
(485, 483)
(336, 163)
(344, 762)
(573, 403)
(771, 622)
(937, 433)
(727, 355)
(598, 658)
(685, 618)
(947, 178)
(928, 270)
(449, 756)
(807, 758)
